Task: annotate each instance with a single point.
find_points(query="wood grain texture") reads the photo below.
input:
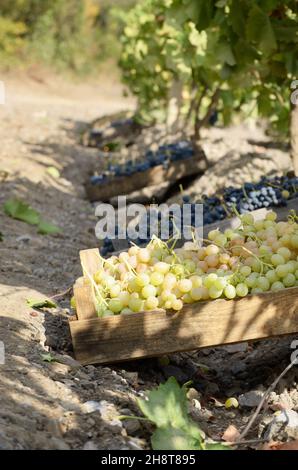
(204, 324)
(85, 306)
(127, 184)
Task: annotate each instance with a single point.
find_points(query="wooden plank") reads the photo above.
(199, 325)
(153, 176)
(90, 261)
(84, 298)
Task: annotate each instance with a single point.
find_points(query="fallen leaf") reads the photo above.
(21, 211)
(216, 402)
(48, 357)
(231, 434)
(44, 303)
(231, 403)
(46, 228)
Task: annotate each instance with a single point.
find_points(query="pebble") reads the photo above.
(250, 399)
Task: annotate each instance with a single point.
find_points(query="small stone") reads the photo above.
(131, 425)
(91, 406)
(250, 399)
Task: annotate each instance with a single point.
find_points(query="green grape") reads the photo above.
(241, 289)
(196, 281)
(73, 302)
(213, 234)
(178, 270)
(184, 285)
(115, 305)
(177, 304)
(263, 283)
(271, 276)
(220, 240)
(115, 290)
(214, 292)
(220, 283)
(148, 291)
(277, 286)
(256, 290)
(251, 280)
(151, 303)
(247, 219)
(156, 278)
(230, 292)
(143, 255)
(136, 305)
(124, 297)
(284, 252)
(276, 260)
(142, 279)
(161, 267)
(289, 280)
(196, 293)
(209, 280)
(281, 270)
(126, 311)
(245, 271)
(169, 281)
(212, 250)
(190, 266)
(256, 265)
(108, 313)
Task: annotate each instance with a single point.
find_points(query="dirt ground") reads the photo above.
(61, 405)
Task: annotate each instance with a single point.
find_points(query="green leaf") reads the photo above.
(225, 54)
(21, 211)
(170, 438)
(45, 303)
(46, 228)
(259, 30)
(238, 17)
(167, 405)
(48, 357)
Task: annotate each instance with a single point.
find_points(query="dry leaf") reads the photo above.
(231, 434)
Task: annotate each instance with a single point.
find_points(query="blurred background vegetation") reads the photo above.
(77, 35)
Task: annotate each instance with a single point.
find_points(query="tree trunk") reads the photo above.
(294, 137)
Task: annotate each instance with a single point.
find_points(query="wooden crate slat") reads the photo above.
(153, 176)
(85, 306)
(199, 325)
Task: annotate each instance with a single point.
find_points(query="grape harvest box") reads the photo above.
(122, 185)
(203, 324)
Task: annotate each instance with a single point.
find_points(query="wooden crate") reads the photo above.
(153, 176)
(203, 324)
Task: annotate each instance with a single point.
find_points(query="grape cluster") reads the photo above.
(163, 156)
(257, 257)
